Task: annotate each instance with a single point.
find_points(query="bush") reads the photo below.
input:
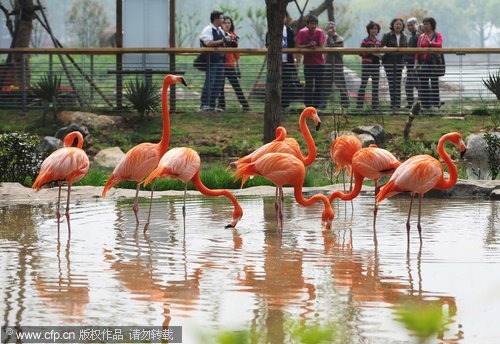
(143, 97)
(18, 158)
(492, 83)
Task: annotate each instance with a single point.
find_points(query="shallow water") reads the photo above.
(207, 278)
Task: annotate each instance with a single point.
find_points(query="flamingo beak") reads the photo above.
(183, 81)
(462, 153)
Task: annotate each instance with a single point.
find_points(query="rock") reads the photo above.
(92, 120)
(47, 145)
(109, 157)
(468, 189)
(61, 133)
(477, 156)
(376, 131)
(366, 139)
(65, 117)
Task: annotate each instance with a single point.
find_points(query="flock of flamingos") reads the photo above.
(279, 161)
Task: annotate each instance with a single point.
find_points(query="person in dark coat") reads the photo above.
(394, 62)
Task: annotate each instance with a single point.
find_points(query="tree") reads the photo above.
(272, 112)
(257, 18)
(186, 33)
(86, 21)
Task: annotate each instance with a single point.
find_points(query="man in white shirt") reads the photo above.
(213, 36)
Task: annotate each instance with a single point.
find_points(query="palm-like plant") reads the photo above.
(46, 90)
(143, 97)
(492, 83)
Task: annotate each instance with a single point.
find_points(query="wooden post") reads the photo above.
(119, 56)
(172, 55)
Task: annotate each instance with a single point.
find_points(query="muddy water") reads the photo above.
(257, 276)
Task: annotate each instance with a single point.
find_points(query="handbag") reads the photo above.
(438, 64)
(201, 61)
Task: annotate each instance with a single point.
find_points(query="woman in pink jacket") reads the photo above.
(428, 80)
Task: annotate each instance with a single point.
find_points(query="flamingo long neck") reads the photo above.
(311, 146)
(297, 191)
(216, 193)
(358, 184)
(452, 169)
(165, 135)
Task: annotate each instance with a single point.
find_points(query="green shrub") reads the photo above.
(18, 159)
(47, 91)
(143, 97)
(492, 83)
(493, 147)
(482, 111)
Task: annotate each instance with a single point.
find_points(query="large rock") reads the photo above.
(61, 133)
(469, 189)
(109, 157)
(375, 130)
(47, 145)
(477, 156)
(88, 119)
(366, 139)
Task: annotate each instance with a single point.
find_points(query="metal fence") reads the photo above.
(94, 79)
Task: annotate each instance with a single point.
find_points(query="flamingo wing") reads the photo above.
(374, 163)
(138, 163)
(342, 151)
(178, 163)
(67, 164)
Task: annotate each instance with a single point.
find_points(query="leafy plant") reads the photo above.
(47, 90)
(423, 318)
(144, 97)
(493, 148)
(492, 83)
(18, 158)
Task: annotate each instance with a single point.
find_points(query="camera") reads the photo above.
(230, 42)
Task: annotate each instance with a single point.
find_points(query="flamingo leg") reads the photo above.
(59, 204)
(409, 215)
(282, 198)
(375, 208)
(150, 204)
(67, 202)
(184, 204)
(419, 226)
(135, 207)
(350, 189)
(276, 202)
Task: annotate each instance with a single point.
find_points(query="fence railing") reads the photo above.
(96, 79)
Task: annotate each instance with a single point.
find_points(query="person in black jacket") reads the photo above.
(411, 74)
(288, 68)
(394, 62)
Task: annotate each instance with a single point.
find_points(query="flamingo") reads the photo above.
(421, 173)
(342, 150)
(184, 163)
(281, 169)
(372, 163)
(65, 165)
(142, 159)
(283, 144)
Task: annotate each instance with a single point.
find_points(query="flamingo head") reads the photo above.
(174, 79)
(280, 134)
(69, 139)
(327, 217)
(456, 140)
(312, 113)
(237, 214)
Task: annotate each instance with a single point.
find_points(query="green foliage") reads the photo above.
(143, 97)
(258, 21)
(493, 148)
(409, 148)
(313, 334)
(234, 337)
(492, 83)
(86, 21)
(186, 33)
(481, 111)
(47, 90)
(18, 159)
(423, 319)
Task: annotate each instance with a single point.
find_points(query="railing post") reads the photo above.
(23, 84)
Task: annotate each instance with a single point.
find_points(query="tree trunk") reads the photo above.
(25, 13)
(272, 112)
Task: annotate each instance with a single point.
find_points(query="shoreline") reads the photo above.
(15, 193)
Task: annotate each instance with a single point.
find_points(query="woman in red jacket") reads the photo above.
(231, 68)
(428, 80)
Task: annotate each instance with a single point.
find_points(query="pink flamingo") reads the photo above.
(421, 173)
(65, 166)
(184, 163)
(283, 144)
(372, 163)
(142, 159)
(284, 169)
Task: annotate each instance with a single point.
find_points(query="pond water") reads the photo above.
(207, 278)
